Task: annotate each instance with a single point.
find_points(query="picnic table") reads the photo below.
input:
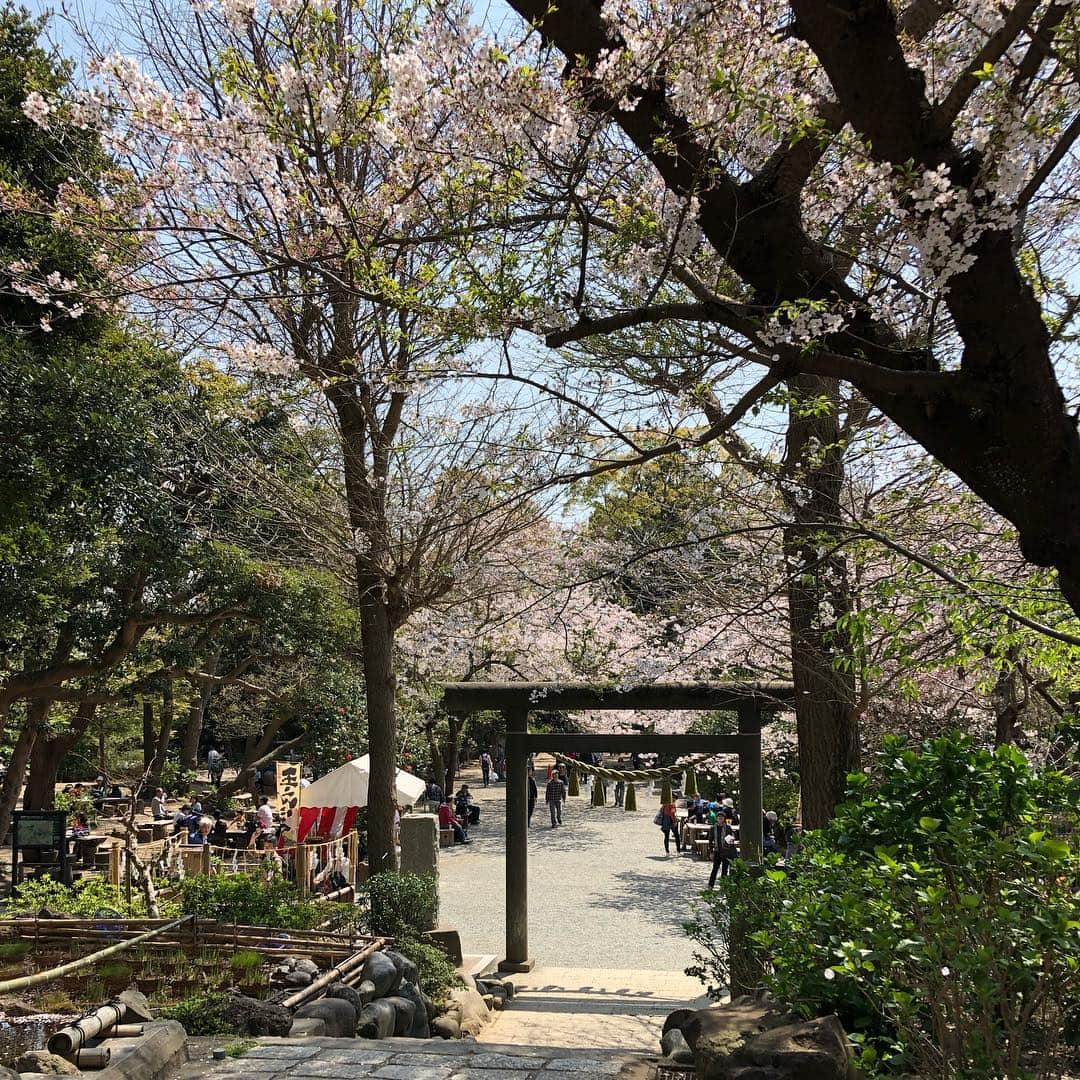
(86, 847)
(699, 839)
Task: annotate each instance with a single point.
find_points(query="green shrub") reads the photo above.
(401, 905)
(200, 1014)
(250, 900)
(938, 915)
(85, 899)
(437, 973)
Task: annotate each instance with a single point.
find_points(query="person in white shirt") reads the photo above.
(158, 810)
(265, 815)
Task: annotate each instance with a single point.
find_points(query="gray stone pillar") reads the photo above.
(420, 845)
(517, 839)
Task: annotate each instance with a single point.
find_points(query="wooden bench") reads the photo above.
(446, 838)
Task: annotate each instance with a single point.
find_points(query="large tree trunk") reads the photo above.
(37, 713)
(453, 752)
(48, 754)
(189, 750)
(435, 756)
(1008, 702)
(365, 497)
(149, 740)
(377, 647)
(826, 712)
(164, 735)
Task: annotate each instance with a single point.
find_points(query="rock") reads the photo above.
(8, 1074)
(675, 1047)
(307, 1029)
(419, 1029)
(377, 1020)
(10, 1006)
(41, 1061)
(445, 1027)
(732, 1025)
(383, 972)
(366, 989)
(474, 1013)
(404, 965)
(136, 1007)
(297, 978)
(339, 1016)
(346, 993)
(429, 1007)
(248, 1016)
(814, 1050)
(309, 967)
(677, 1019)
(405, 1012)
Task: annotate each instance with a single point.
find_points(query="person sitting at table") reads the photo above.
(334, 875)
(158, 809)
(448, 821)
(465, 809)
(182, 820)
(201, 832)
(219, 835)
(80, 826)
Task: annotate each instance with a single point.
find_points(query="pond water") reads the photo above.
(21, 1033)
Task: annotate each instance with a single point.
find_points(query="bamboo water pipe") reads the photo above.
(68, 1041)
(333, 975)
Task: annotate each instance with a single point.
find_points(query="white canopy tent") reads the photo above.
(329, 805)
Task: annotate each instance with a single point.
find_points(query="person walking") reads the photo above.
(555, 796)
(726, 848)
(485, 767)
(533, 793)
(215, 765)
(669, 823)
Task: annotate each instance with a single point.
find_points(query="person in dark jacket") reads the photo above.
(533, 793)
(555, 796)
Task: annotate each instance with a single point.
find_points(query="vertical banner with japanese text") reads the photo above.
(288, 791)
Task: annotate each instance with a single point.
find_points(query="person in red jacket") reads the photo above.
(448, 821)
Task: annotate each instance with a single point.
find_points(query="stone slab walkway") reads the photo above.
(592, 1008)
(410, 1059)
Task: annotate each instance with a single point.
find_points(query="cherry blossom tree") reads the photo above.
(873, 194)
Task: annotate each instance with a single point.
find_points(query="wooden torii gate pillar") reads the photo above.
(516, 700)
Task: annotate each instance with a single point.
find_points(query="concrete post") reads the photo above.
(517, 851)
(420, 846)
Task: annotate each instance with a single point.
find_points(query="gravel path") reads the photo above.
(602, 893)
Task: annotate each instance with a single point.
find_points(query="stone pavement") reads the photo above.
(408, 1059)
(592, 1008)
(602, 893)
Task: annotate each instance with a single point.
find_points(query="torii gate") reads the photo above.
(516, 700)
